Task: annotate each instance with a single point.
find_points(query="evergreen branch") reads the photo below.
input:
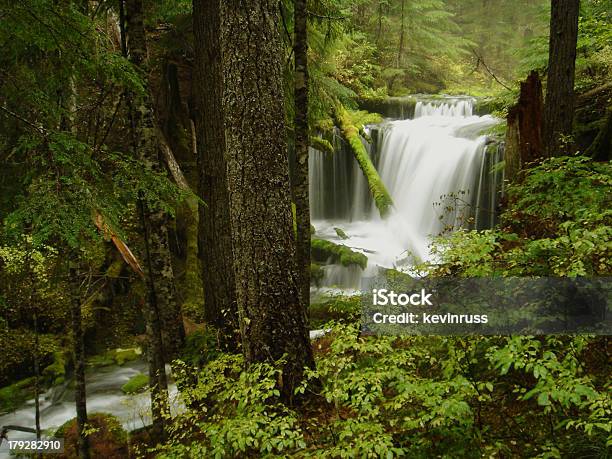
(39, 129)
(324, 16)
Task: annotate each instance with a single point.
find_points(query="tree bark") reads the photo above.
(147, 147)
(272, 318)
(80, 394)
(215, 235)
(400, 50)
(524, 120)
(163, 319)
(300, 182)
(559, 106)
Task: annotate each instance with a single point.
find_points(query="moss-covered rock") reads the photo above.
(350, 132)
(13, 396)
(121, 356)
(323, 250)
(107, 438)
(136, 384)
(115, 357)
(341, 234)
(56, 372)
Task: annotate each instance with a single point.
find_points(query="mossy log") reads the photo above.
(323, 250)
(350, 132)
(321, 144)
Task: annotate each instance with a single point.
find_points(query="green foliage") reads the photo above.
(136, 384)
(334, 307)
(323, 251)
(238, 414)
(414, 396)
(200, 347)
(557, 222)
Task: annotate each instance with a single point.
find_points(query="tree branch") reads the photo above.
(39, 129)
(324, 16)
(489, 71)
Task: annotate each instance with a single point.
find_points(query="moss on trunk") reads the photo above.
(321, 144)
(350, 132)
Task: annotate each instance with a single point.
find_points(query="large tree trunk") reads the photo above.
(559, 106)
(272, 319)
(300, 182)
(215, 238)
(80, 394)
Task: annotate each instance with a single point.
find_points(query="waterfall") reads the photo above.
(437, 167)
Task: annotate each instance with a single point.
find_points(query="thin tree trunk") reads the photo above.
(300, 182)
(80, 393)
(36, 377)
(147, 148)
(272, 318)
(400, 50)
(163, 319)
(215, 235)
(559, 105)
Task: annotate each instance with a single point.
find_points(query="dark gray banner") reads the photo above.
(401, 305)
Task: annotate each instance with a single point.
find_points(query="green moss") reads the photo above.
(126, 355)
(13, 396)
(381, 196)
(136, 384)
(102, 360)
(56, 372)
(341, 234)
(316, 273)
(114, 270)
(322, 145)
(115, 357)
(324, 250)
(363, 118)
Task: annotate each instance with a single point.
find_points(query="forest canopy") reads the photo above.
(194, 196)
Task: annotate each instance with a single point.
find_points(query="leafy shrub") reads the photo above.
(107, 438)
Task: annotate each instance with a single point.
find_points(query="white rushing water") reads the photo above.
(436, 169)
(104, 395)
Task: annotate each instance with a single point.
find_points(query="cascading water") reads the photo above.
(437, 168)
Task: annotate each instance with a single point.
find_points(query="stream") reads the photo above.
(103, 395)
